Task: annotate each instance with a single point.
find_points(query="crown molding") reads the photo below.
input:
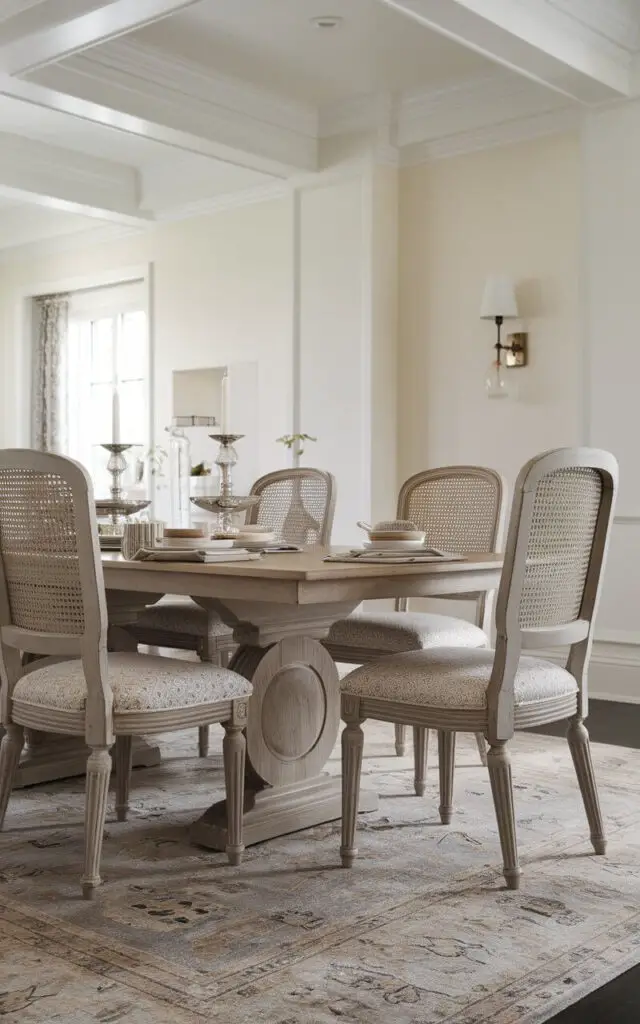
(166, 73)
(227, 201)
(57, 245)
(472, 105)
(491, 136)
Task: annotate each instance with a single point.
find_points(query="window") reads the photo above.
(106, 348)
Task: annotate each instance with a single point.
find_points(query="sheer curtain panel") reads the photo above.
(52, 312)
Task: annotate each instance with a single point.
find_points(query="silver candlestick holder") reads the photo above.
(118, 507)
(226, 504)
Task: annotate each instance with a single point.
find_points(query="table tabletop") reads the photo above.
(303, 577)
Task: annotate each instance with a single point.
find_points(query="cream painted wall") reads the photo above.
(515, 209)
(222, 294)
(561, 215)
(612, 313)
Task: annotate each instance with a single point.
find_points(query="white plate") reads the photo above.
(393, 545)
(194, 543)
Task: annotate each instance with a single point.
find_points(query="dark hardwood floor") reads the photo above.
(619, 1001)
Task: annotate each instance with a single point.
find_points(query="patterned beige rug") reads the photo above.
(420, 931)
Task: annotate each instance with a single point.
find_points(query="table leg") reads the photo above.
(294, 717)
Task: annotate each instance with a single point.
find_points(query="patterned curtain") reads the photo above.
(48, 381)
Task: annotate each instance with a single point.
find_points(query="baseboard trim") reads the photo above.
(614, 670)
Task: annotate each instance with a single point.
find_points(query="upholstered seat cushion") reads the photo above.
(389, 632)
(454, 677)
(182, 615)
(140, 682)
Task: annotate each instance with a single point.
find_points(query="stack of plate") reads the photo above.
(193, 544)
(255, 538)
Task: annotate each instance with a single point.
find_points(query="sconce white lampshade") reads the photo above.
(498, 299)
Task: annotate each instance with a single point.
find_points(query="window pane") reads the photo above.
(133, 411)
(102, 350)
(132, 346)
(99, 424)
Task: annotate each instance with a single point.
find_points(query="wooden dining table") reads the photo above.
(280, 608)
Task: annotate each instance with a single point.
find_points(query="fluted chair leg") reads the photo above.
(124, 748)
(446, 765)
(10, 750)
(482, 748)
(578, 738)
(234, 747)
(97, 787)
(352, 746)
(420, 750)
(401, 740)
(499, 764)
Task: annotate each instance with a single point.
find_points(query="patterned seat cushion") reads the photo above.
(140, 682)
(454, 677)
(389, 632)
(182, 615)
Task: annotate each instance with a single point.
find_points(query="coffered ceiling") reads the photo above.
(135, 111)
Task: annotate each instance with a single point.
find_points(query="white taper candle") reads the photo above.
(224, 405)
(115, 417)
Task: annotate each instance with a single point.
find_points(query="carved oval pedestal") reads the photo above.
(294, 717)
(295, 710)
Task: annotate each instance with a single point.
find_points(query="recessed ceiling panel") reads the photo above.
(276, 44)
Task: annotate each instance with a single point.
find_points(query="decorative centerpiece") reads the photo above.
(225, 504)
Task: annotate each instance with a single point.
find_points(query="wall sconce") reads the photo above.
(499, 304)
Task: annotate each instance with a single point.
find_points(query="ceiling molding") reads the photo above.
(60, 244)
(226, 201)
(491, 136)
(533, 38)
(616, 20)
(471, 105)
(111, 98)
(191, 80)
(48, 175)
(56, 41)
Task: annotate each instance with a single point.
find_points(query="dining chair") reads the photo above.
(462, 510)
(299, 506)
(53, 606)
(548, 597)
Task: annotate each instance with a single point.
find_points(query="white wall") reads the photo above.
(348, 320)
(293, 287)
(221, 294)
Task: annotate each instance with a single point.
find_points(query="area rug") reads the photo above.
(420, 931)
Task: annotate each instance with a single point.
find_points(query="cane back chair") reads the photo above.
(548, 596)
(461, 509)
(53, 605)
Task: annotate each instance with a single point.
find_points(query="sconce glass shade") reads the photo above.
(498, 299)
(496, 381)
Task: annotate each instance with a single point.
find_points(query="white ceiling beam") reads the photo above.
(47, 175)
(532, 38)
(109, 21)
(168, 118)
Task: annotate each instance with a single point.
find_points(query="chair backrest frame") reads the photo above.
(577, 633)
(297, 476)
(89, 644)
